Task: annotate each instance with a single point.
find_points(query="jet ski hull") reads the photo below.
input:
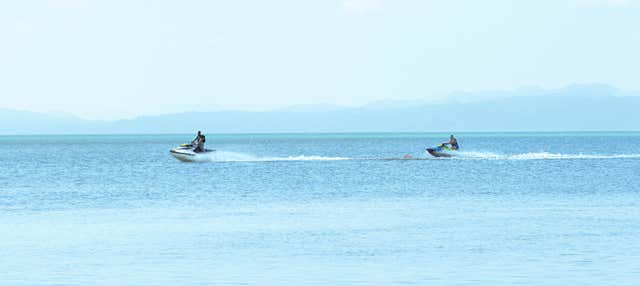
(438, 153)
(441, 151)
(186, 154)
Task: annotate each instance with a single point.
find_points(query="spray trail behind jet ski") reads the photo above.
(228, 156)
(469, 155)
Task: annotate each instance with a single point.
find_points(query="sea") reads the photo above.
(321, 209)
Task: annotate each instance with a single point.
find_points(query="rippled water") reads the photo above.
(321, 209)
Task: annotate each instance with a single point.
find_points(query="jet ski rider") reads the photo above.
(200, 143)
(453, 142)
(194, 142)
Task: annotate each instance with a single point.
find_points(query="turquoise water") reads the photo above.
(321, 209)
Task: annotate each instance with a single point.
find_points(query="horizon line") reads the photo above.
(323, 133)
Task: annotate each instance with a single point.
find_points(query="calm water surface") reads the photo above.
(321, 209)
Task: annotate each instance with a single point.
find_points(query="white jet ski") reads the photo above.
(186, 153)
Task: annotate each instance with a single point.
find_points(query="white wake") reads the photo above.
(228, 156)
(541, 156)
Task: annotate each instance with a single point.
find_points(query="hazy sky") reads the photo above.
(112, 59)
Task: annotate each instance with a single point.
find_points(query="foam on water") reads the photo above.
(540, 156)
(228, 156)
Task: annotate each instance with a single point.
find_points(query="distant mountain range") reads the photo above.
(574, 108)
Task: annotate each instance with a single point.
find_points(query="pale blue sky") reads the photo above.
(114, 59)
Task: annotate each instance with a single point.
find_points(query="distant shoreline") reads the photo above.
(578, 108)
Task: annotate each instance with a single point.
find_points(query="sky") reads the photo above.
(124, 58)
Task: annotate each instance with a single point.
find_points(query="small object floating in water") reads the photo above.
(408, 156)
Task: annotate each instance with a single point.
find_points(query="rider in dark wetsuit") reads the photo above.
(453, 142)
(200, 147)
(194, 142)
